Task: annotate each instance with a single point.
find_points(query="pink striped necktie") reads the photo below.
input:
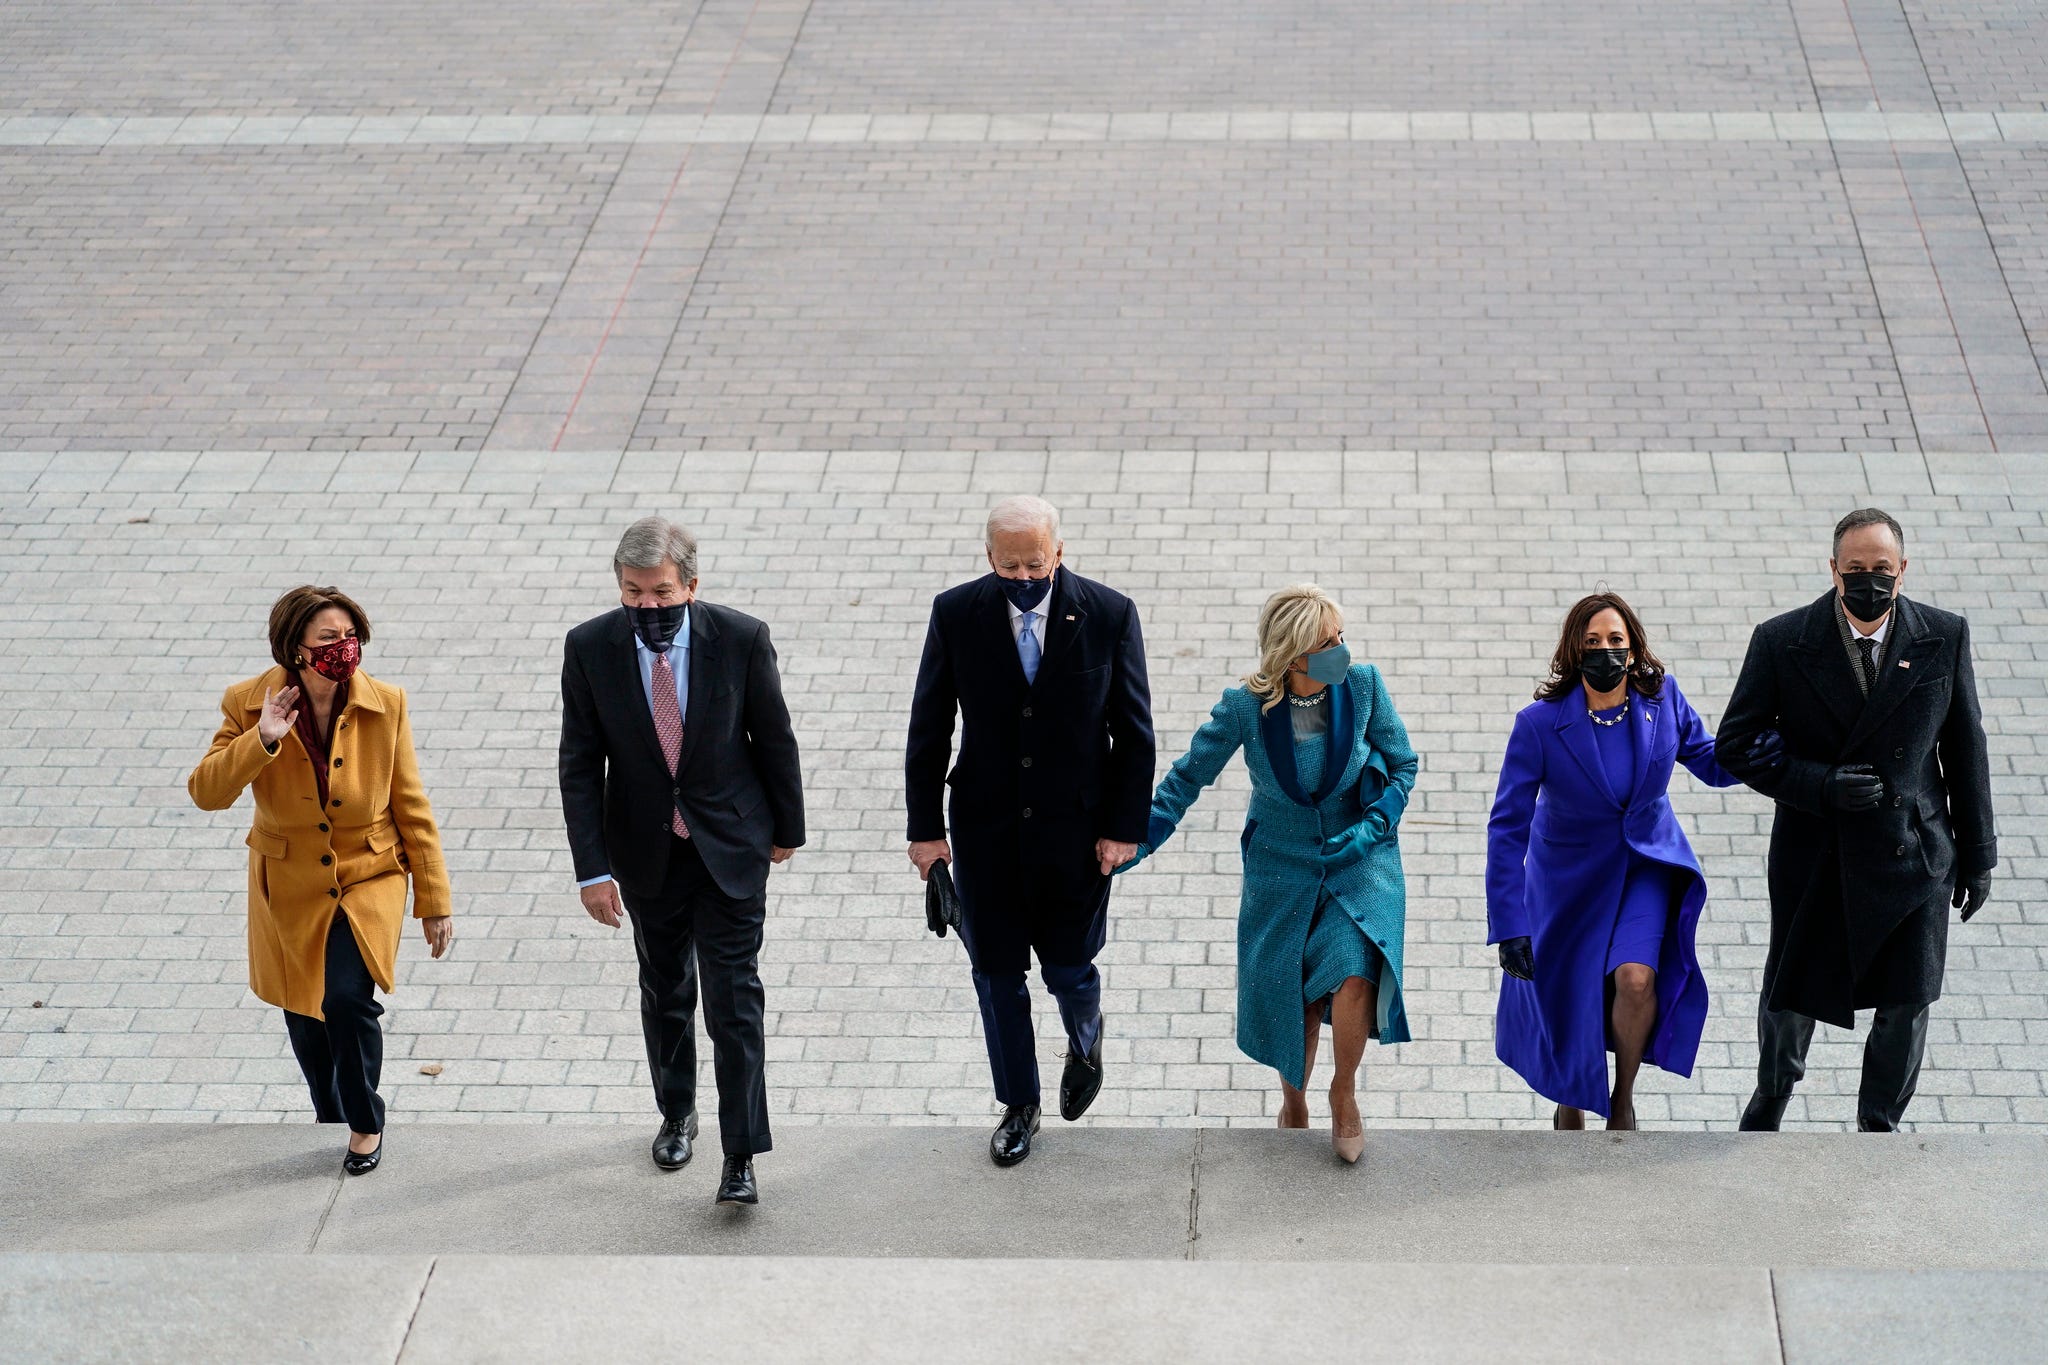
(668, 723)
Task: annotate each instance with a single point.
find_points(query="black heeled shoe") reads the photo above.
(362, 1163)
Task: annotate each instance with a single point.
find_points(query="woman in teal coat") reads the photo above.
(1323, 910)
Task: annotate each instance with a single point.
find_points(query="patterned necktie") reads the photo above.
(1027, 647)
(668, 723)
(1868, 648)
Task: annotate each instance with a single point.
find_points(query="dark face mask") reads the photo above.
(1604, 669)
(1025, 593)
(657, 626)
(337, 661)
(1868, 596)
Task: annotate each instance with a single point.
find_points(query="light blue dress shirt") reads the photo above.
(679, 662)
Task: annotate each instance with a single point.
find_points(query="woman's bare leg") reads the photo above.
(1634, 1015)
(1293, 1102)
(1351, 1013)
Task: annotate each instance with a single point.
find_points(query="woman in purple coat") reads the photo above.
(1592, 892)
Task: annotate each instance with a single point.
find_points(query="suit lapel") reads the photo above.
(1904, 647)
(991, 612)
(1576, 732)
(1276, 729)
(1818, 655)
(1338, 741)
(1642, 714)
(704, 651)
(1063, 621)
(624, 656)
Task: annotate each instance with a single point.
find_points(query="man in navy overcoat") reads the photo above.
(1050, 794)
(1884, 816)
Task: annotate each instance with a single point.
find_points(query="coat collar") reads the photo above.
(1906, 642)
(1817, 653)
(365, 693)
(1276, 729)
(1575, 729)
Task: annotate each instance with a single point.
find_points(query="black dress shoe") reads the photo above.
(672, 1143)
(1081, 1082)
(1012, 1140)
(1763, 1113)
(736, 1186)
(362, 1163)
(1870, 1123)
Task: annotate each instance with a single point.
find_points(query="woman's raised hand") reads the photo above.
(280, 713)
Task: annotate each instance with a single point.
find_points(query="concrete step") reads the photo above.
(1471, 1197)
(174, 1309)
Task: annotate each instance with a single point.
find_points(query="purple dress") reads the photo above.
(1560, 849)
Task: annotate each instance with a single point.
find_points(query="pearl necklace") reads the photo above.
(1618, 719)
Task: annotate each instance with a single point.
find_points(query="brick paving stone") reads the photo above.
(1612, 296)
(121, 907)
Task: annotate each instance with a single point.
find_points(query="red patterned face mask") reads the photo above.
(336, 662)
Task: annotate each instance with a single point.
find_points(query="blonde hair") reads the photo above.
(1292, 623)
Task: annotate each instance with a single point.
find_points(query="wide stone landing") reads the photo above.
(167, 1243)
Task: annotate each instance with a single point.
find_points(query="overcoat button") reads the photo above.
(326, 858)
(323, 827)
(334, 893)
(1027, 812)
(337, 763)
(1898, 753)
(1898, 800)
(1900, 851)
(335, 804)
(1027, 713)
(1027, 762)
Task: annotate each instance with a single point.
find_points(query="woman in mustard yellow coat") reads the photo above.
(341, 822)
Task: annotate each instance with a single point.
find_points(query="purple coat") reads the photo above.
(1558, 847)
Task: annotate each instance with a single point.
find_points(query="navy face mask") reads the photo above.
(657, 626)
(1025, 593)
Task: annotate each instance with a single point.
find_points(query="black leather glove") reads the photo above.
(1854, 787)
(1767, 751)
(1516, 959)
(1971, 893)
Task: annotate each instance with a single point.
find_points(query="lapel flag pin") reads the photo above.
(1905, 663)
(1070, 618)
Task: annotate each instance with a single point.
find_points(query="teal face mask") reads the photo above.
(1329, 666)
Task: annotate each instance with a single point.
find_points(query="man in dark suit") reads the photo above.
(1050, 795)
(680, 786)
(1883, 820)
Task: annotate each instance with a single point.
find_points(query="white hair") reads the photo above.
(653, 541)
(1023, 513)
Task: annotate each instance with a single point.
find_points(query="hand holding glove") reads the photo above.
(1342, 850)
(1516, 958)
(1853, 787)
(1767, 751)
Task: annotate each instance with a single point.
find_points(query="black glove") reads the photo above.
(1854, 787)
(1516, 959)
(1971, 893)
(941, 901)
(1767, 751)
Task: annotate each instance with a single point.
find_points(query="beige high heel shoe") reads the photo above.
(1348, 1148)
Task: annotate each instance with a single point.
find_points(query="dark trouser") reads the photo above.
(1006, 1023)
(343, 1056)
(693, 932)
(1891, 1059)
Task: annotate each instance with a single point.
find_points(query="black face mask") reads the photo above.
(1868, 596)
(1604, 669)
(657, 626)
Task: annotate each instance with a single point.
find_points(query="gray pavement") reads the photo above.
(876, 224)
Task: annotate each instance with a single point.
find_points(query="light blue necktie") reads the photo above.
(1027, 647)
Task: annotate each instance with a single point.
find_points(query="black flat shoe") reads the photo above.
(1763, 1113)
(672, 1143)
(736, 1186)
(1081, 1082)
(1011, 1142)
(362, 1163)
